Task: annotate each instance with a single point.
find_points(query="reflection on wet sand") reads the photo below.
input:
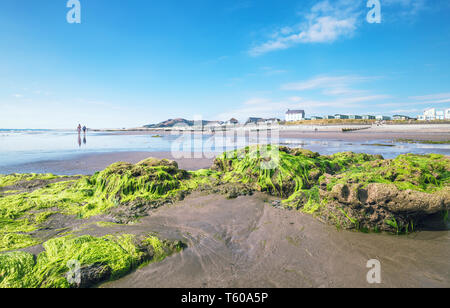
(84, 139)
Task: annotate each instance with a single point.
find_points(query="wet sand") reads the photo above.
(247, 243)
(87, 164)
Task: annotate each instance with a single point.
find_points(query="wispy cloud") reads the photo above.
(326, 22)
(437, 96)
(441, 100)
(330, 85)
(401, 9)
(216, 60)
(270, 71)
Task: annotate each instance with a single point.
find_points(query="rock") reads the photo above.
(92, 275)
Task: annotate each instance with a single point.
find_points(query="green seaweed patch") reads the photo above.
(149, 181)
(282, 171)
(14, 241)
(423, 141)
(426, 173)
(78, 262)
(12, 179)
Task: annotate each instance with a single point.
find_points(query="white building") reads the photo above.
(430, 114)
(383, 118)
(295, 115)
(433, 114)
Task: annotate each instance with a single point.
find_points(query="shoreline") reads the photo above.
(336, 127)
(328, 133)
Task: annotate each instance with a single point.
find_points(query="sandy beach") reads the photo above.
(246, 242)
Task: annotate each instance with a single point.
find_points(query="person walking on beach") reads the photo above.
(79, 128)
(84, 129)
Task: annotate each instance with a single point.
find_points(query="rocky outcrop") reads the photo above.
(348, 190)
(381, 207)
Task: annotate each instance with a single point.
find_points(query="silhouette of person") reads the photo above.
(79, 140)
(79, 129)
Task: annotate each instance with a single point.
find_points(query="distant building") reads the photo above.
(272, 121)
(398, 117)
(383, 118)
(341, 116)
(254, 121)
(440, 115)
(232, 121)
(429, 114)
(330, 117)
(433, 114)
(213, 124)
(295, 115)
(355, 117)
(369, 117)
(316, 118)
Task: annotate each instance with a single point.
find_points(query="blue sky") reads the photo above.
(135, 62)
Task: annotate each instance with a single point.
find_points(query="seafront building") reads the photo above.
(433, 114)
(295, 115)
(382, 118)
(398, 117)
(369, 117)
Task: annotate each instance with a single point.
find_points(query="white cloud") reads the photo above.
(438, 96)
(326, 22)
(406, 8)
(330, 85)
(270, 71)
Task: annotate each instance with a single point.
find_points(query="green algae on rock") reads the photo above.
(348, 190)
(123, 191)
(12, 179)
(98, 260)
(282, 171)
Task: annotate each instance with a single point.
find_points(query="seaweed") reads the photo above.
(98, 259)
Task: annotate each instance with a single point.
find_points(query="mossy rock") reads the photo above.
(88, 260)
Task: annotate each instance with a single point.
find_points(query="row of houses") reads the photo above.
(299, 115)
(431, 114)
